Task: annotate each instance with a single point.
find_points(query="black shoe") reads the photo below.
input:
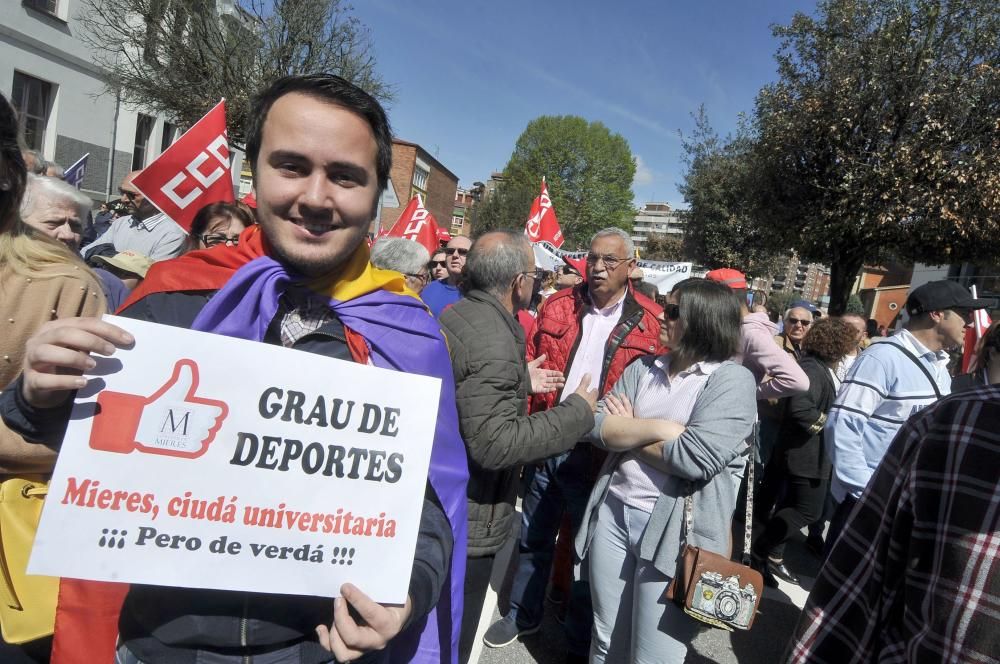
(505, 631)
(759, 565)
(782, 572)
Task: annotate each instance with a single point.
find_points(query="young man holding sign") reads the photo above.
(321, 152)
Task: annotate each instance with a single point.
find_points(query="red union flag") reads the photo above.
(192, 172)
(542, 225)
(417, 224)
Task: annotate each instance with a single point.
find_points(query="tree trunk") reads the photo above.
(843, 271)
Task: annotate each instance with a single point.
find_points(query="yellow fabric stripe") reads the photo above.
(359, 277)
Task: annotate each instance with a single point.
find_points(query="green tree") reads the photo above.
(721, 229)
(589, 171)
(179, 57)
(663, 247)
(855, 306)
(882, 135)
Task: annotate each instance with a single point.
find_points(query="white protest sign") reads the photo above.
(212, 462)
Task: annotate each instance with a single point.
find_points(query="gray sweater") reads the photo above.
(701, 460)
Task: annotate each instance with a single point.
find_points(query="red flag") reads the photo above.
(542, 225)
(192, 172)
(417, 224)
(980, 323)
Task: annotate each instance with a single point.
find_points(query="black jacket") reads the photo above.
(491, 387)
(186, 625)
(801, 442)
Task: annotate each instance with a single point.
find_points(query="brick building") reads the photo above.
(461, 223)
(415, 171)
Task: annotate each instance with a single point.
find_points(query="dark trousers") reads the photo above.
(561, 484)
(838, 522)
(477, 582)
(801, 505)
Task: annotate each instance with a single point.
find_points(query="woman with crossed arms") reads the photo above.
(677, 426)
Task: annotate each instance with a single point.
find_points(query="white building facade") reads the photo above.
(655, 217)
(48, 74)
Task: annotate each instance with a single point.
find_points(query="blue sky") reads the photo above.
(470, 75)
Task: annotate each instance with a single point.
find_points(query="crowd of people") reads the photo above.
(626, 419)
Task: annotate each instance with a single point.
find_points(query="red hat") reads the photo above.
(578, 264)
(250, 200)
(443, 235)
(727, 276)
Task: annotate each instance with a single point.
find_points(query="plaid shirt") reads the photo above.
(915, 575)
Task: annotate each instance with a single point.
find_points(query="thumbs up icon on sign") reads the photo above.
(173, 421)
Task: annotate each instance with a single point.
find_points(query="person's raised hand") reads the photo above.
(59, 352)
(348, 638)
(544, 381)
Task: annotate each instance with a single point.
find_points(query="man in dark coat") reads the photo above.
(491, 387)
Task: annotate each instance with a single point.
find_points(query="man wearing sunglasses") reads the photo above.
(438, 295)
(890, 381)
(145, 230)
(590, 333)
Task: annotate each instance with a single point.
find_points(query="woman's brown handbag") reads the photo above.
(712, 588)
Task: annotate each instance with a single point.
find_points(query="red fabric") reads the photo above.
(87, 621)
(558, 326)
(542, 224)
(208, 269)
(527, 322)
(192, 172)
(578, 264)
(417, 224)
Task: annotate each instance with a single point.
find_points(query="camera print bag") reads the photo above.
(711, 588)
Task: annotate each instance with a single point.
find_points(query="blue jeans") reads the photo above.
(562, 484)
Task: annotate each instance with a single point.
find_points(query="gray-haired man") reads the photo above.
(491, 388)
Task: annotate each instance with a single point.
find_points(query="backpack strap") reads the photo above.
(920, 365)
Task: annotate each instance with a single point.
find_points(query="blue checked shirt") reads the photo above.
(881, 391)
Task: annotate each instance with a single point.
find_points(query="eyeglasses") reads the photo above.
(435, 264)
(795, 321)
(422, 276)
(128, 194)
(567, 270)
(610, 262)
(451, 251)
(534, 274)
(671, 311)
(213, 239)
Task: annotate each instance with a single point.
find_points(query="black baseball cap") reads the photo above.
(941, 295)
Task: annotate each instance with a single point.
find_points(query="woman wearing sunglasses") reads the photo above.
(438, 265)
(676, 426)
(219, 223)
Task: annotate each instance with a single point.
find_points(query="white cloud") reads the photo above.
(643, 173)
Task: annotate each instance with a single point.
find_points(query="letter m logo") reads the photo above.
(172, 421)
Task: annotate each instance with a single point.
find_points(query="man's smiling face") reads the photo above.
(316, 182)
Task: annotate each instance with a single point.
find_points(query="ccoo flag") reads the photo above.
(74, 174)
(417, 224)
(192, 172)
(542, 225)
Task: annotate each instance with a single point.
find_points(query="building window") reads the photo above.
(143, 129)
(421, 173)
(47, 6)
(167, 138)
(32, 100)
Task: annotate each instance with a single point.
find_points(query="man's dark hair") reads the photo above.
(493, 268)
(711, 316)
(332, 89)
(12, 171)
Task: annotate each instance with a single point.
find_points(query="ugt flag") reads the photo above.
(542, 225)
(980, 323)
(417, 224)
(192, 172)
(74, 174)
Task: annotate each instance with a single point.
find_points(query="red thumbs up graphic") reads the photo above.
(173, 421)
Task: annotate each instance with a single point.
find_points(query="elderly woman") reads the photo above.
(677, 426)
(801, 467)
(219, 223)
(405, 256)
(40, 280)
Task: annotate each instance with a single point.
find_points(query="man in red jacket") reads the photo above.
(595, 328)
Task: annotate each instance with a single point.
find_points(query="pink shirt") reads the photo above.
(597, 326)
(634, 482)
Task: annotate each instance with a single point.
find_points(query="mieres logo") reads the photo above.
(173, 421)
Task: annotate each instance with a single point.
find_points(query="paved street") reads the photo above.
(764, 644)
